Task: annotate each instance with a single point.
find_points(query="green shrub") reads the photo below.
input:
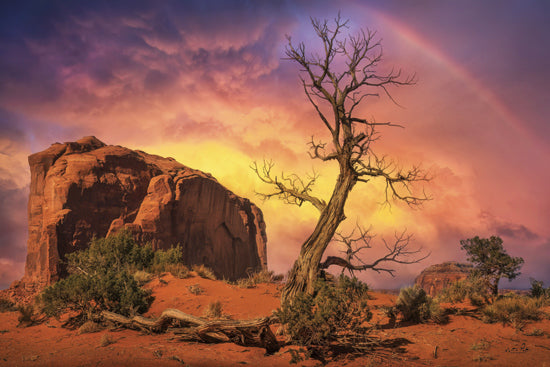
(331, 312)
(115, 291)
(538, 290)
(102, 279)
(512, 310)
(115, 253)
(474, 288)
(415, 305)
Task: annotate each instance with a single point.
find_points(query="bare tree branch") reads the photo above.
(290, 188)
(398, 252)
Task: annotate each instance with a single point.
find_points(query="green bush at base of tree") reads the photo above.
(333, 311)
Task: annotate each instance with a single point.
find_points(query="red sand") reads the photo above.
(464, 341)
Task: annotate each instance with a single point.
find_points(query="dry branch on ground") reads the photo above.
(253, 333)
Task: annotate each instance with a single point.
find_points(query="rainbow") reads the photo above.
(485, 94)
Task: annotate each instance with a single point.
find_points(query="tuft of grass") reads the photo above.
(246, 283)
(482, 357)
(106, 340)
(259, 277)
(204, 272)
(195, 289)
(415, 305)
(535, 332)
(142, 277)
(178, 270)
(6, 305)
(514, 310)
(481, 345)
(214, 310)
(89, 327)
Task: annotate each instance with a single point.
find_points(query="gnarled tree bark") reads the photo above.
(253, 333)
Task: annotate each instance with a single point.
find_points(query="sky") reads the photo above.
(206, 82)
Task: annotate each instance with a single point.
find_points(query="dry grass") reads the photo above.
(204, 272)
(514, 310)
(481, 345)
(195, 289)
(214, 310)
(106, 340)
(259, 277)
(142, 277)
(89, 327)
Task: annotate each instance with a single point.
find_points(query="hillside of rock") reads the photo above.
(87, 188)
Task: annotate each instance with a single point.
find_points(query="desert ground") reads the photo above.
(463, 341)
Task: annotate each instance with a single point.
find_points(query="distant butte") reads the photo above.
(87, 188)
(436, 277)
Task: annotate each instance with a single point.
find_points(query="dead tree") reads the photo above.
(336, 81)
(255, 332)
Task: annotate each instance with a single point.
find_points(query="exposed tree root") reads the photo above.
(251, 333)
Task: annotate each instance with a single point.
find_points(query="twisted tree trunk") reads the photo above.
(305, 271)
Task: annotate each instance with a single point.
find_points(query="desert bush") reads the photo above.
(27, 315)
(115, 253)
(170, 261)
(214, 310)
(107, 275)
(6, 305)
(113, 291)
(415, 305)
(331, 312)
(102, 279)
(512, 310)
(473, 288)
(538, 291)
(204, 272)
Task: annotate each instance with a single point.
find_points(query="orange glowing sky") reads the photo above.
(205, 83)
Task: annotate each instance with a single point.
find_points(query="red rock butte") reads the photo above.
(86, 188)
(436, 277)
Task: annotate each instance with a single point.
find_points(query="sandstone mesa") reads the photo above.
(86, 188)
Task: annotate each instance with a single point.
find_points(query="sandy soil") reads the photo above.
(464, 341)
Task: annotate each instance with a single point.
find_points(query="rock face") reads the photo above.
(86, 188)
(436, 277)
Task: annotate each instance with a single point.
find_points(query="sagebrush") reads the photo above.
(331, 313)
(107, 276)
(415, 305)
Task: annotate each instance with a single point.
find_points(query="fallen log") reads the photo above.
(250, 333)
